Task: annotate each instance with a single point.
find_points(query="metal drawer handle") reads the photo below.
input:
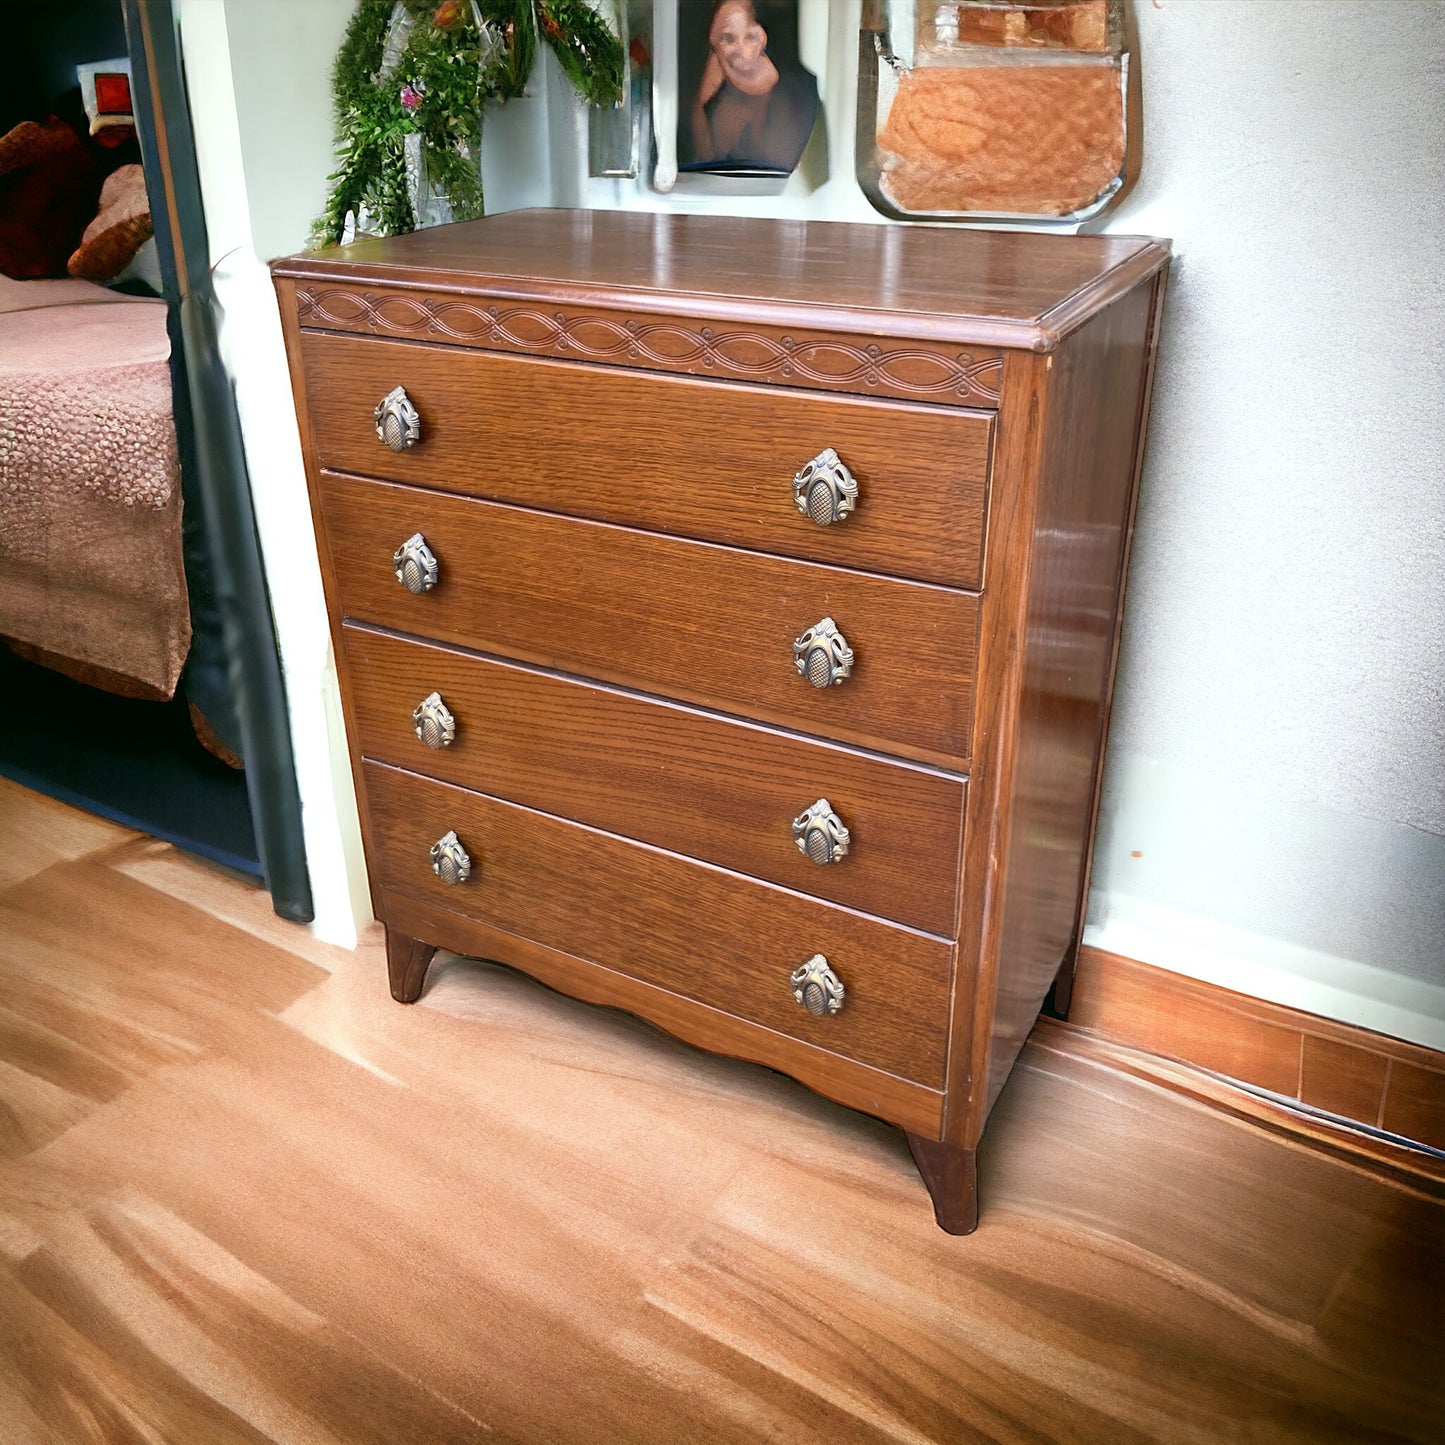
(397, 421)
(825, 489)
(822, 654)
(434, 723)
(449, 860)
(415, 564)
(821, 834)
(817, 987)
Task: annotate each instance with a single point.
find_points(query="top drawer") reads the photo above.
(706, 459)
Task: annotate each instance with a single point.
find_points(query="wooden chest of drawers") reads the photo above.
(726, 613)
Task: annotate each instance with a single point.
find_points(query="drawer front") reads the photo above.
(705, 459)
(726, 941)
(707, 624)
(697, 784)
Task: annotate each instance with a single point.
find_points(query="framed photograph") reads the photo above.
(732, 98)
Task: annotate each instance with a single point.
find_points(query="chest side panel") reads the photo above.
(1072, 434)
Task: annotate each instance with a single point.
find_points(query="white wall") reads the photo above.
(1275, 793)
(1274, 800)
(257, 73)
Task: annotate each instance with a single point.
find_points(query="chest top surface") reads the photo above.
(991, 287)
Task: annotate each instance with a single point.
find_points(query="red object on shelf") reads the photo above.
(112, 93)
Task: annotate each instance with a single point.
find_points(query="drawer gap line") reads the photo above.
(811, 898)
(648, 532)
(620, 689)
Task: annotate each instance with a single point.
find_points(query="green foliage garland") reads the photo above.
(586, 46)
(449, 68)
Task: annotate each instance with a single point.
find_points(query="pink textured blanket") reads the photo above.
(90, 501)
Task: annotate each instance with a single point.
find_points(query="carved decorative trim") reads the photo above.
(916, 371)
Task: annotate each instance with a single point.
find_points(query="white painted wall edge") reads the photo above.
(253, 351)
(1271, 894)
(1273, 969)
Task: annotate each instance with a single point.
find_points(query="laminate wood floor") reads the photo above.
(244, 1196)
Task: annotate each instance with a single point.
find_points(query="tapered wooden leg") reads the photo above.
(951, 1175)
(406, 963)
(1060, 995)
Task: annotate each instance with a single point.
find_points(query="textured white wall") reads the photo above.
(1275, 793)
(281, 53)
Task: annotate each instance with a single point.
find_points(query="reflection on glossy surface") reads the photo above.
(245, 1196)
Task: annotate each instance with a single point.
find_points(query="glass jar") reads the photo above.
(995, 110)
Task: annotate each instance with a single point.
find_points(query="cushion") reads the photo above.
(120, 229)
(48, 184)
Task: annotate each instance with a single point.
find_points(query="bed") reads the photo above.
(92, 578)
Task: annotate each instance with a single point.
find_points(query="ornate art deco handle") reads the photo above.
(825, 489)
(449, 859)
(415, 564)
(820, 833)
(817, 987)
(434, 723)
(822, 654)
(397, 422)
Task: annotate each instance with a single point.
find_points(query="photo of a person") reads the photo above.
(754, 104)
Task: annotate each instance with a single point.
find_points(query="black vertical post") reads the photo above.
(209, 435)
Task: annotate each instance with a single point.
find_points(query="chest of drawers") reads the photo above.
(726, 614)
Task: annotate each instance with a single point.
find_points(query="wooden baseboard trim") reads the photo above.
(1375, 1080)
(1402, 1163)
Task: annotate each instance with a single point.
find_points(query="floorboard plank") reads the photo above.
(248, 1196)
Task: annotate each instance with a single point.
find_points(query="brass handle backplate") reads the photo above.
(822, 654)
(434, 723)
(817, 987)
(397, 421)
(449, 860)
(415, 564)
(820, 833)
(825, 489)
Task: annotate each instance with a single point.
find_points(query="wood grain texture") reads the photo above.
(845, 1081)
(1064, 485)
(1343, 1080)
(294, 1211)
(717, 789)
(784, 356)
(1182, 1018)
(613, 596)
(43, 831)
(1415, 1103)
(666, 454)
(406, 964)
(1401, 1160)
(1094, 421)
(1062, 988)
(925, 282)
(704, 624)
(988, 819)
(1347, 1070)
(951, 1177)
(725, 940)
